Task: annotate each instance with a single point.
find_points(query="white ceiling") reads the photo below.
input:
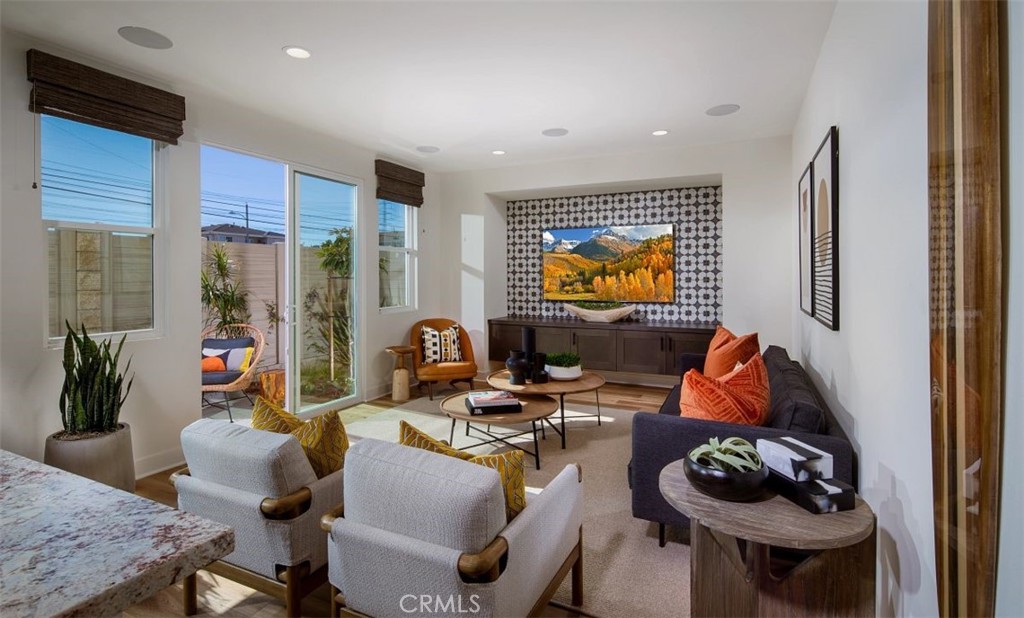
(472, 77)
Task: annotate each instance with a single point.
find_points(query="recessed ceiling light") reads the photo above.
(659, 132)
(297, 52)
(428, 149)
(144, 37)
(497, 152)
(723, 110)
(556, 132)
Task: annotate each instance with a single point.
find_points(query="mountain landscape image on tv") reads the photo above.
(626, 263)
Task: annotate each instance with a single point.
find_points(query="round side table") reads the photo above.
(400, 376)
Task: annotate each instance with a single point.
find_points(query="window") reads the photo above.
(397, 267)
(98, 209)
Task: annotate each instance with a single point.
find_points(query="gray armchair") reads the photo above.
(262, 485)
(422, 526)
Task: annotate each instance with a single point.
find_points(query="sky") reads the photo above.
(94, 175)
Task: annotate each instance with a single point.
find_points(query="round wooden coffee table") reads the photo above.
(589, 381)
(535, 408)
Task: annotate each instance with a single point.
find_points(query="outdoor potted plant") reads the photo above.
(563, 366)
(93, 443)
(729, 470)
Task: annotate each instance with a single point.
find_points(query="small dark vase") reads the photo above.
(540, 376)
(731, 486)
(516, 365)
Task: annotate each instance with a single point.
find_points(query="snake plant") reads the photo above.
(91, 399)
(731, 455)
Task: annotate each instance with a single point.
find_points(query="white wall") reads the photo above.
(870, 80)
(165, 396)
(756, 205)
(1009, 592)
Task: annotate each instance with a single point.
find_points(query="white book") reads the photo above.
(794, 459)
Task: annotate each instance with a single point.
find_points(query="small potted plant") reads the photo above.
(563, 366)
(93, 443)
(728, 470)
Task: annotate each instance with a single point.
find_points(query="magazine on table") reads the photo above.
(483, 399)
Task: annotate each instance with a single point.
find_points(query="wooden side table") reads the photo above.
(589, 381)
(400, 376)
(773, 558)
(536, 408)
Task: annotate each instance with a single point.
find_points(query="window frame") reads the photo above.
(411, 251)
(160, 154)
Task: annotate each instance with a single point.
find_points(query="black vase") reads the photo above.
(516, 365)
(540, 376)
(731, 486)
(529, 347)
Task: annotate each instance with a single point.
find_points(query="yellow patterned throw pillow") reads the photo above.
(323, 438)
(509, 465)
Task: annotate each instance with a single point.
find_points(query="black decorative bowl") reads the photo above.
(731, 486)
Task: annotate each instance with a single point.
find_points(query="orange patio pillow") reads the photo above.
(213, 363)
(741, 396)
(726, 349)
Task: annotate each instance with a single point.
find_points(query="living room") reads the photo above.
(859, 66)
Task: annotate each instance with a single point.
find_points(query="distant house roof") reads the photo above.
(238, 230)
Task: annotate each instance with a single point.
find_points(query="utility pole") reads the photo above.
(247, 222)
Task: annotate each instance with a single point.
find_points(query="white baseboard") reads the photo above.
(159, 462)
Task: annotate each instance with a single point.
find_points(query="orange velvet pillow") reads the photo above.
(741, 396)
(213, 363)
(726, 349)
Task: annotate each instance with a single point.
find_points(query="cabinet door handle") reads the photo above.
(671, 344)
(662, 344)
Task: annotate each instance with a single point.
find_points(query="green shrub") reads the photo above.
(596, 305)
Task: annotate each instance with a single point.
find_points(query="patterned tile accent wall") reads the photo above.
(695, 211)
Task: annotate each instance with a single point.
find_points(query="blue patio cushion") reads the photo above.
(229, 344)
(220, 377)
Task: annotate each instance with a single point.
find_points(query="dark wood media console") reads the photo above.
(638, 347)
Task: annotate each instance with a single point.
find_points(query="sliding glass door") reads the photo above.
(322, 292)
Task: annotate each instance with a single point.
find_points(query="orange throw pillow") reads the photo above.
(740, 397)
(726, 349)
(213, 363)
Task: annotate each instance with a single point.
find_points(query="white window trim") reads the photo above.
(412, 268)
(157, 230)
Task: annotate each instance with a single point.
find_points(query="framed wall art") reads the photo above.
(824, 172)
(805, 211)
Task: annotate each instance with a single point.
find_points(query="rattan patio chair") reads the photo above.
(232, 381)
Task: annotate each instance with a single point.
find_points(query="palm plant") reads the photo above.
(225, 300)
(91, 398)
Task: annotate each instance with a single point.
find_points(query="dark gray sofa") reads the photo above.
(797, 410)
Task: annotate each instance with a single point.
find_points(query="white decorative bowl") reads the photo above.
(603, 315)
(564, 373)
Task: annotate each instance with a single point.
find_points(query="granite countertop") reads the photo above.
(70, 546)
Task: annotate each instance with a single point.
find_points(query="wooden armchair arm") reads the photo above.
(327, 519)
(485, 566)
(285, 507)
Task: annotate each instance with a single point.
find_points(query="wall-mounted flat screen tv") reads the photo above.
(627, 263)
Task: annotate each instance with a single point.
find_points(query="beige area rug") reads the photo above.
(625, 572)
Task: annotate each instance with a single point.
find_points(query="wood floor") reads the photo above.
(223, 597)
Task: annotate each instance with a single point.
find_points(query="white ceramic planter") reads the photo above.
(605, 315)
(563, 373)
(106, 458)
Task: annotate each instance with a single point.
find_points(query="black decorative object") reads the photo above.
(516, 365)
(731, 486)
(540, 376)
(529, 347)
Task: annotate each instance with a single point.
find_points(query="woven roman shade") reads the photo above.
(399, 184)
(77, 92)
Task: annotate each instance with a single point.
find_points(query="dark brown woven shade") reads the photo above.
(77, 92)
(399, 184)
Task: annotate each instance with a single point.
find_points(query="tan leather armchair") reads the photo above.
(429, 373)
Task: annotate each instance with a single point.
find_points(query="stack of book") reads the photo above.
(492, 402)
(803, 474)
